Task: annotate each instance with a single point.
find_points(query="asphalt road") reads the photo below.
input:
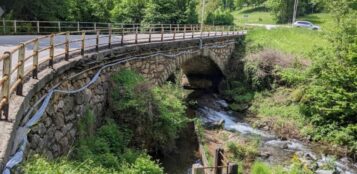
(10, 42)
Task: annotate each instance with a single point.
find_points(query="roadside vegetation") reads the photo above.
(145, 120)
(301, 83)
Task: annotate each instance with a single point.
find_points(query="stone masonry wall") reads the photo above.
(56, 132)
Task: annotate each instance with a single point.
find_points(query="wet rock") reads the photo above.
(265, 155)
(278, 143)
(216, 125)
(326, 172)
(310, 156)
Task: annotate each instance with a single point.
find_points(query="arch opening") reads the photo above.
(201, 73)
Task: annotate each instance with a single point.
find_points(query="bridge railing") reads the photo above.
(25, 60)
(21, 27)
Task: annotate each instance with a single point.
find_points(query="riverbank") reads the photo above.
(247, 145)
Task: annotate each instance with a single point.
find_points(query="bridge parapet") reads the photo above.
(40, 68)
(28, 58)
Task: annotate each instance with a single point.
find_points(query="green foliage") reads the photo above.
(104, 152)
(261, 168)
(243, 151)
(296, 41)
(129, 11)
(159, 111)
(126, 11)
(170, 12)
(296, 168)
(39, 164)
(219, 17)
(283, 9)
(329, 100)
(142, 164)
(292, 76)
(256, 15)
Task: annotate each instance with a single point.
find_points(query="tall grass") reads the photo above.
(296, 41)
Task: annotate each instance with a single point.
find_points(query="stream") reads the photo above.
(213, 109)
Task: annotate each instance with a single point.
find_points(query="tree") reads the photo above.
(220, 17)
(190, 13)
(129, 11)
(283, 9)
(330, 100)
(170, 11)
(37, 9)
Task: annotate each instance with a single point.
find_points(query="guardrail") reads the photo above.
(38, 52)
(21, 27)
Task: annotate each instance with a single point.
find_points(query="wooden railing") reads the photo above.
(25, 59)
(21, 27)
(221, 165)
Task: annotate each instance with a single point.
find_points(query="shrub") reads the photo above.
(261, 69)
(261, 168)
(159, 111)
(219, 17)
(143, 164)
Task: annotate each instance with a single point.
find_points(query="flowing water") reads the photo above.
(212, 109)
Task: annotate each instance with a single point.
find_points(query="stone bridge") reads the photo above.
(55, 133)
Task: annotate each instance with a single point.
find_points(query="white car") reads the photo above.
(306, 24)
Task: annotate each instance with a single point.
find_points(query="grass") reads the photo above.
(258, 15)
(297, 41)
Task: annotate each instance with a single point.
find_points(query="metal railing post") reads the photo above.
(5, 89)
(174, 35)
(52, 51)
(162, 33)
(38, 27)
(95, 26)
(3, 26)
(66, 47)
(122, 35)
(184, 31)
(78, 27)
(215, 30)
(150, 30)
(59, 26)
(83, 42)
(35, 59)
(15, 27)
(97, 41)
(201, 30)
(209, 31)
(136, 35)
(21, 69)
(110, 37)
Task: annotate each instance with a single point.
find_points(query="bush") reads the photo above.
(261, 69)
(243, 151)
(105, 152)
(219, 17)
(261, 168)
(159, 111)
